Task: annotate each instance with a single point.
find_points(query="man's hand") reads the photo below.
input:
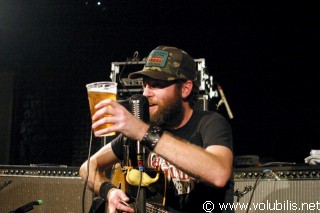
(123, 121)
(117, 201)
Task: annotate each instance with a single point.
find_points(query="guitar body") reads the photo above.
(118, 178)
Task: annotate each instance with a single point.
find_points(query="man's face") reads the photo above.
(165, 103)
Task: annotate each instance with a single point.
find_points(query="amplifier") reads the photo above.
(59, 187)
(277, 189)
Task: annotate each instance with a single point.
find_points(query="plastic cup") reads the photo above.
(98, 91)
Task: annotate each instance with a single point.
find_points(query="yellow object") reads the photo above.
(133, 177)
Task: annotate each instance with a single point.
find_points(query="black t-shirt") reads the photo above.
(184, 193)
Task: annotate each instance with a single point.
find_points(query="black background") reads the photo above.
(264, 54)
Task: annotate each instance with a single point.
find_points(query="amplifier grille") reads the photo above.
(281, 196)
(60, 192)
(294, 189)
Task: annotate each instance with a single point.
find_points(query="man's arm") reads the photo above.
(101, 161)
(212, 165)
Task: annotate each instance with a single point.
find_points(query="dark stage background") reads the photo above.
(265, 54)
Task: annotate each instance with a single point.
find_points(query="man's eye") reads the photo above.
(158, 84)
(152, 84)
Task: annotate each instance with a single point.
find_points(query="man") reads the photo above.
(192, 147)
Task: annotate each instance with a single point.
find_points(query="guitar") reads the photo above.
(99, 206)
(118, 178)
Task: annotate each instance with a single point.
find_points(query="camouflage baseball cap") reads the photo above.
(168, 63)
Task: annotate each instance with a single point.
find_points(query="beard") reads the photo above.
(170, 112)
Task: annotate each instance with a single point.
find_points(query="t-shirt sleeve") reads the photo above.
(216, 130)
(117, 146)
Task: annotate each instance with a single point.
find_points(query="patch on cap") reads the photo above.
(157, 58)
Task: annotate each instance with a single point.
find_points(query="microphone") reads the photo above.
(139, 107)
(270, 173)
(28, 207)
(224, 100)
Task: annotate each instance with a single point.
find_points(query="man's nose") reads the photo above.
(147, 91)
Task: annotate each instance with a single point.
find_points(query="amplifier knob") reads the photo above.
(301, 175)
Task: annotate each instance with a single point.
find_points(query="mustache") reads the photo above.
(152, 103)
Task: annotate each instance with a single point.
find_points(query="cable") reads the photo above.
(138, 193)
(140, 156)
(87, 177)
(134, 60)
(120, 74)
(253, 190)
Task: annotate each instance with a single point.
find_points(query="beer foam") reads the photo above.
(113, 90)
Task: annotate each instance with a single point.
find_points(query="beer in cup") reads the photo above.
(97, 92)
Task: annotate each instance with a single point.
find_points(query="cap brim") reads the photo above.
(153, 74)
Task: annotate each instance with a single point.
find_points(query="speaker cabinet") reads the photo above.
(278, 189)
(60, 189)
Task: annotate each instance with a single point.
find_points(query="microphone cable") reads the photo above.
(138, 194)
(265, 173)
(87, 177)
(27, 207)
(253, 190)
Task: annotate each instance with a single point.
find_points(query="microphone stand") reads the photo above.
(224, 101)
(139, 107)
(141, 194)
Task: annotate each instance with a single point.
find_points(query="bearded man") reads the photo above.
(193, 148)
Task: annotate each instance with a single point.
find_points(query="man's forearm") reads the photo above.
(213, 166)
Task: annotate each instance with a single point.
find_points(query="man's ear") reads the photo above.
(186, 88)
